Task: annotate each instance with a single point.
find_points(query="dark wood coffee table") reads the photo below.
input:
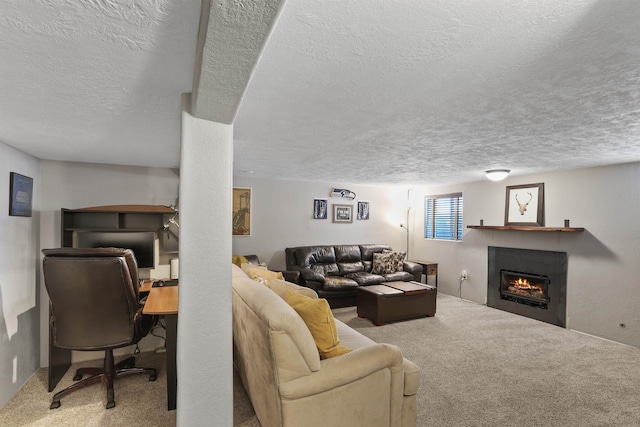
(395, 301)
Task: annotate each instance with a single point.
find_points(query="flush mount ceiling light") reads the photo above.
(497, 174)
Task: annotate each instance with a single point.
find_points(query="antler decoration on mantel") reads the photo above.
(522, 207)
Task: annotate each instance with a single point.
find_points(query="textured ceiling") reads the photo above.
(439, 91)
(348, 91)
(96, 80)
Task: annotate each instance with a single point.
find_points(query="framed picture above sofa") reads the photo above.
(363, 210)
(320, 208)
(342, 213)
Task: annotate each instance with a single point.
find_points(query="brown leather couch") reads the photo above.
(335, 272)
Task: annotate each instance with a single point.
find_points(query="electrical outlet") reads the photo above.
(463, 275)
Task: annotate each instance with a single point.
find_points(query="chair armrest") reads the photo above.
(346, 369)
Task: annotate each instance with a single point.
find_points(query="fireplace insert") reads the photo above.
(528, 282)
(525, 288)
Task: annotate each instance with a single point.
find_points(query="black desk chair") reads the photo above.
(95, 306)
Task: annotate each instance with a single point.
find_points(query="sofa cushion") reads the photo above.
(309, 255)
(347, 253)
(350, 267)
(399, 276)
(367, 251)
(319, 319)
(363, 278)
(336, 283)
(281, 287)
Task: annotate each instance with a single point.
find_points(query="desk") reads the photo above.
(164, 302)
(428, 269)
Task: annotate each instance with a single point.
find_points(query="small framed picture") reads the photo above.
(342, 213)
(363, 210)
(320, 208)
(241, 205)
(525, 205)
(21, 194)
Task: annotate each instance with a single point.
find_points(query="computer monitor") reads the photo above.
(140, 242)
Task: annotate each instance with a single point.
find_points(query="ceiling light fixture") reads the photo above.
(497, 174)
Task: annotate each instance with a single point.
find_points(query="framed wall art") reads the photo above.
(320, 208)
(342, 213)
(525, 205)
(363, 210)
(241, 205)
(21, 194)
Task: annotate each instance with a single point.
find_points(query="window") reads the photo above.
(443, 217)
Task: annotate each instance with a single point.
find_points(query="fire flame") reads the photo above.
(524, 284)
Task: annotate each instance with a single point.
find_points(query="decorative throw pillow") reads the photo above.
(399, 258)
(238, 260)
(254, 271)
(318, 317)
(383, 263)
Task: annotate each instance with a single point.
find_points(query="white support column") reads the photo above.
(204, 354)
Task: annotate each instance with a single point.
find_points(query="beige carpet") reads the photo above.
(480, 367)
(139, 402)
(486, 367)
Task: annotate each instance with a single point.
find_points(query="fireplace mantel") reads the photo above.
(526, 228)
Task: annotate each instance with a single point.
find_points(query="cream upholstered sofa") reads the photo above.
(287, 382)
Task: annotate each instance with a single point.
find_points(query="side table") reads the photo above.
(428, 269)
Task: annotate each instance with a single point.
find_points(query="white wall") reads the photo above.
(603, 263)
(282, 216)
(204, 354)
(19, 316)
(78, 185)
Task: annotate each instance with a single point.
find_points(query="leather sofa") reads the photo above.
(335, 272)
(290, 386)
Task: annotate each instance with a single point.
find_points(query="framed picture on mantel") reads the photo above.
(525, 205)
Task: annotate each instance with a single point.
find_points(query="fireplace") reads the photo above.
(530, 283)
(524, 288)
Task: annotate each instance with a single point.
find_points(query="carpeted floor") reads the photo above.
(480, 367)
(486, 367)
(139, 402)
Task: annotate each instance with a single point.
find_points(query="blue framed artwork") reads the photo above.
(363, 210)
(320, 208)
(21, 193)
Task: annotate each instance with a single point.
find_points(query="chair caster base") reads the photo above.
(110, 404)
(152, 377)
(54, 405)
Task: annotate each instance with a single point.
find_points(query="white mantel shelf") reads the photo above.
(526, 228)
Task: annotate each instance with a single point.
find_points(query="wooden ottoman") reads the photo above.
(396, 301)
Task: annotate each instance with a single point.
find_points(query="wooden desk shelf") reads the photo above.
(526, 228)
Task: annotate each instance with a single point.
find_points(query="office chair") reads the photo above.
(95, 305)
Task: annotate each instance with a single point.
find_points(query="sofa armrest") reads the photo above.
(308, 275)
(291, 276)
(345, 369)
(415, 269)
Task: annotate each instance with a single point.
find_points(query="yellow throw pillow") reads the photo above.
(238, 260)
(257, 271)
(319, 319)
